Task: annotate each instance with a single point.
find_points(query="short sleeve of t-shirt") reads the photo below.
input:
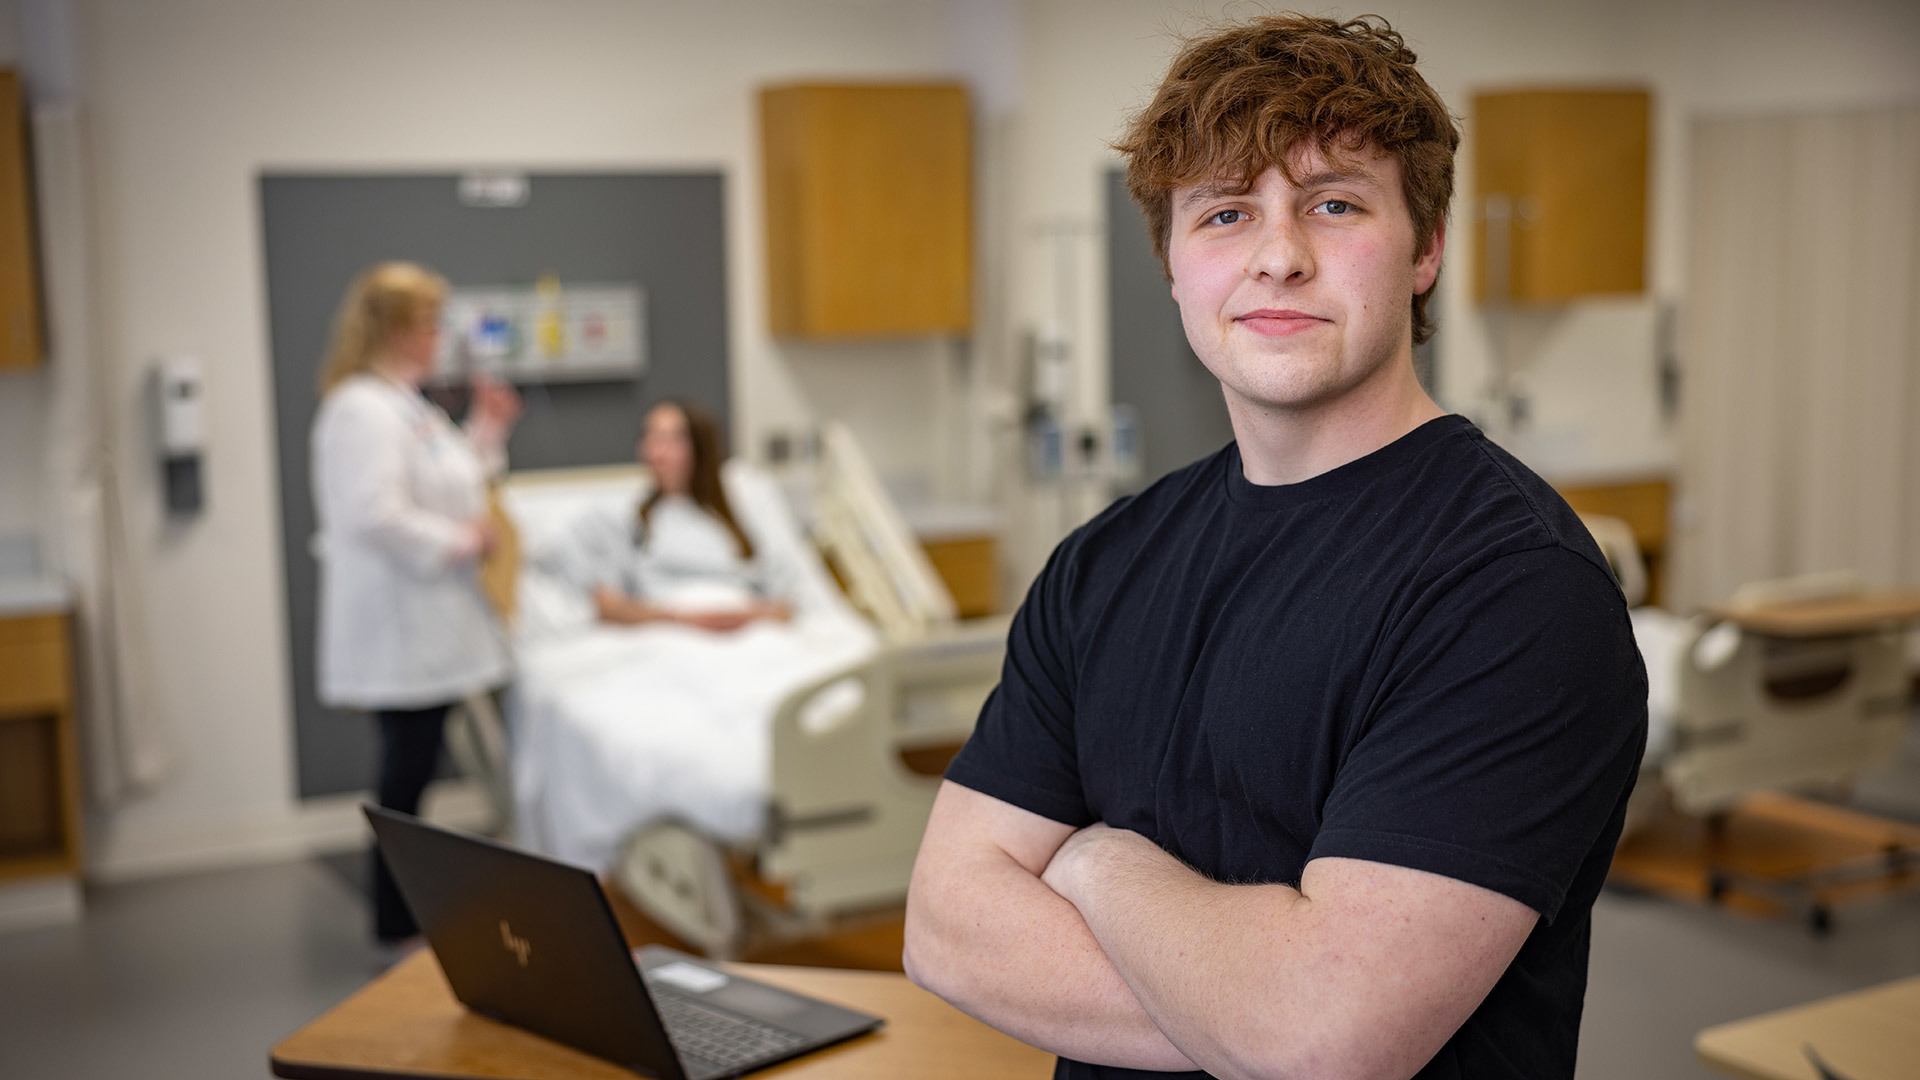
(1022, 750)
(1508, 720)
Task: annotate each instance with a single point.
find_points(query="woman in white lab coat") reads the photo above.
(401, 494)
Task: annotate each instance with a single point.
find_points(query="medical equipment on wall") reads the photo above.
(1126, 454)
(1047, 373)
(177, 416)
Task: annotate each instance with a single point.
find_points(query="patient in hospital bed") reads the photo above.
(682, 555)
(660, 626)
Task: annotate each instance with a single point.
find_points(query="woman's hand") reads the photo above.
(483, 536)
(731, 619)
(719, 622)
(614, 606)
(489, 533)
(494, 403)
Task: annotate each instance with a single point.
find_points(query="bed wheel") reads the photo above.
(1718, 886)
(1820, 920)
(680, 880)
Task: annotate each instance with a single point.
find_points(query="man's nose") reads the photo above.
(1280, 253)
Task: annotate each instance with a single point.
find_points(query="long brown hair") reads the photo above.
(703, 480)
(382, 302)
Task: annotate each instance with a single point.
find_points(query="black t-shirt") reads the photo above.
(1418, 658)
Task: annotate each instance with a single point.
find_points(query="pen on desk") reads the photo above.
(1826, 1071)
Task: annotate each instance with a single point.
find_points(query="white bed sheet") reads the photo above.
(1663, 640)
(615, 727)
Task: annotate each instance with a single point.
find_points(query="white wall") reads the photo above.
(187, 100)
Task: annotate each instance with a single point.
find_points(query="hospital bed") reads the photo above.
(733, 812)
(1735, 706)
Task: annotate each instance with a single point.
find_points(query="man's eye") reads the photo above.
(1226, 217)
(1336, 207)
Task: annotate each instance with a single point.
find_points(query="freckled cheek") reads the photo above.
(1203, 288)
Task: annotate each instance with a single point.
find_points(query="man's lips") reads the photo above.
(1278, 322)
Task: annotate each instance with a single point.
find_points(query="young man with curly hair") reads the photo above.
(1309, 760)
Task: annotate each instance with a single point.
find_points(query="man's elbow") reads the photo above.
(910, 951)
(936, 959)
(921, 956)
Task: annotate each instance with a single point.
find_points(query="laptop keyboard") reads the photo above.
(724, 1039)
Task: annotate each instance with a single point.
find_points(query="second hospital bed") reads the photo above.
(757, 786)
(1732, 711)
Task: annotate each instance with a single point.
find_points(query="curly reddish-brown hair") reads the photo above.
(1247, 97)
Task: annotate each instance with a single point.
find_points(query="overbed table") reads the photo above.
(406, 1023)
(1884, 609)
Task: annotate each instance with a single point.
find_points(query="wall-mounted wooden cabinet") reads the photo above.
(39, 762)
(20, 338)
(1559, 194)
(869, 195)
(1645, 504)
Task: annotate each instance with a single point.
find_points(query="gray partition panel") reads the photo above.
(1182, 416)
(663, 231)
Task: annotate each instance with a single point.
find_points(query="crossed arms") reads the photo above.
(1098, 946)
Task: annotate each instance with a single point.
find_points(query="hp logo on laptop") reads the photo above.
(520, 947)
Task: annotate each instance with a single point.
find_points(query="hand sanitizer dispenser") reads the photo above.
(179, 426)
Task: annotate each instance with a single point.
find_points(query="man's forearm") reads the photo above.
(1001, 946)
(1363, 973)
(1198, 956)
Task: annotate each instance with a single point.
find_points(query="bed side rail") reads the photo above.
(846, 810)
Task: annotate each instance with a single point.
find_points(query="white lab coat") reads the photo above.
(403, 620)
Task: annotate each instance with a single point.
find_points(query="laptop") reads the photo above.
(531, 942)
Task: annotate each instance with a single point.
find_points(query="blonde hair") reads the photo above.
(385, 300)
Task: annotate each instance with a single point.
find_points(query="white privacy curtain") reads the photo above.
(124, 749)
(1800, 426)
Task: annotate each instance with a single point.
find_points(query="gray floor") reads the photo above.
(198, 976)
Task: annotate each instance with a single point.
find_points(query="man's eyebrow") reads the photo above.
(1323, 178)
(1337, 178)
(1206, 192)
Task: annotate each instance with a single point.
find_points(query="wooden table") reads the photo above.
(406, 1023)
(1867, 1035)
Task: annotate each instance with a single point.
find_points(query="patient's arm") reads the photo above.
(772, 610)
(611, 605)
(984, 933)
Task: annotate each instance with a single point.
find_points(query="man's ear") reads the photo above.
(1426, 265)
